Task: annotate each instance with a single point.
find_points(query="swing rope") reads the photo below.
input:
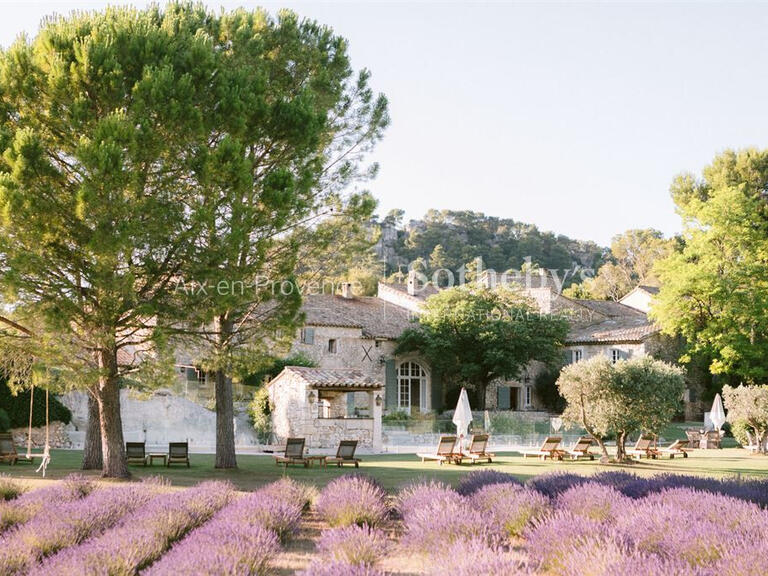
(47, 450)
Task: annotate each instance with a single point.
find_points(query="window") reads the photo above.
(377, 343)
(307, 335)
(332, 346)
(576, 356)
(411, 386)
(528, 396)
(616, 355)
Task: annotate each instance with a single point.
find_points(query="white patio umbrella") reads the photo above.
(717, 414)
(462, 416)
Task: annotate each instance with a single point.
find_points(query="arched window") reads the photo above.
(411, 387)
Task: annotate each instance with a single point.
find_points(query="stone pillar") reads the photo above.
(376, 411)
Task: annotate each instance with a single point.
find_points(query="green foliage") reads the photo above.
(747, 411)
(17, 408)
(5, 421)
(275, 366)
(714, 287)
(545, 385)
(637, 395)
(629, 263)
(260, 410)
(395, 416)
(450, 239)
(475, 335)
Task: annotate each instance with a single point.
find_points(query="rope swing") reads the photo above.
(46, 455)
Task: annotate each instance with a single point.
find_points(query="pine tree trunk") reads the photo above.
(92, 459)
(225, 426)
(112, 447)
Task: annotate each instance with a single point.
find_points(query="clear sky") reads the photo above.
(574, 117)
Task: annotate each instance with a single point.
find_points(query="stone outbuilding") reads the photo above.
(325, 406)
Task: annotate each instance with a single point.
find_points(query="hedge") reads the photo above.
(17, 408)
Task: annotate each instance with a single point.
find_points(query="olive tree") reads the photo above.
(636, 395)
(748, 409)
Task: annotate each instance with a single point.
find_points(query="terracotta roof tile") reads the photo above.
(334, 378)
(374, 316)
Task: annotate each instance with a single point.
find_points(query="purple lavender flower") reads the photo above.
(474, 557)
(550, 539)
(354, 544)
(594, 501)
(289, 490)
(141, 537)
(353, 499)
(422, 493)
(510, 507)
(473, 481)
(66, 525)
(259, 508)
(554, 483)
(336, 568)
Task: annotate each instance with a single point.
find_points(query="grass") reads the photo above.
(393, 470)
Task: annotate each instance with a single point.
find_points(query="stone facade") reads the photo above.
(320, 412)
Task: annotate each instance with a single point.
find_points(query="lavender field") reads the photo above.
(613, 523)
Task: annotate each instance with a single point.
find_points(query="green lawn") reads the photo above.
(392, 470)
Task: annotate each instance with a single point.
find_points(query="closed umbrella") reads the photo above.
(717, 414)
(462, 416)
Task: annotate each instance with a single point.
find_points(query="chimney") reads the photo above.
(346, 290)
(412, 283)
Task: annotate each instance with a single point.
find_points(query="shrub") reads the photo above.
(9, 489)
(594, 501)
(336, 568)
(289, 490)
(260, 412)
(5, 421)
(422, 493)
(474, 557)
(277, 514)
(554, 483)
(17, 407)
(354, 544)
(510, 507)
(476, 479)
(353, 499)
(549, 539)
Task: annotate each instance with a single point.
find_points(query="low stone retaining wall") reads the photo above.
(58, 436)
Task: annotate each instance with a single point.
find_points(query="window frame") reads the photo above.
(333, 346)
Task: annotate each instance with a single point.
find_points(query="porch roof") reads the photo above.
(337, 379)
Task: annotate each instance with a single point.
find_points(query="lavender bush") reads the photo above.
(472, 482)
(510, 507)
(474, 557)
(28, 505)
(289, 490)
(550, 539)
(593, 500)
(9, 488)
(66, 525)
(235, 541)
(261, 509)
(354, 544)
(143, 536)
(554, 483)
(336, 568)
(422, 493)
(353, 499)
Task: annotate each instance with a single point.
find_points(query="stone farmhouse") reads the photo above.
(352, 340)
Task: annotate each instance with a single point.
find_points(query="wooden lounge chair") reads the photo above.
(178, 453)
(581, 449)
(345, 454)
(712, 439)
(445, 451)
(135, 453)
(294, 453)
(645, 446)
(8, 449)
(549, 449)
(477, 451)
(677, 448)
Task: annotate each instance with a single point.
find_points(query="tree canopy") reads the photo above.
(636, 395)
(747, 408)
(714, 288)
(475, 335)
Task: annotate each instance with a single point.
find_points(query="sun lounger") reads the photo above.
(445, 451)
(135, 453)
(549, 449)
(677, 448)
(645, 446)
(345, 454)
(581, 449)
(477, 450)
(178, 453)
(294, 453)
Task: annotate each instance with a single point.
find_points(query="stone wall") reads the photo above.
(58, 436)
